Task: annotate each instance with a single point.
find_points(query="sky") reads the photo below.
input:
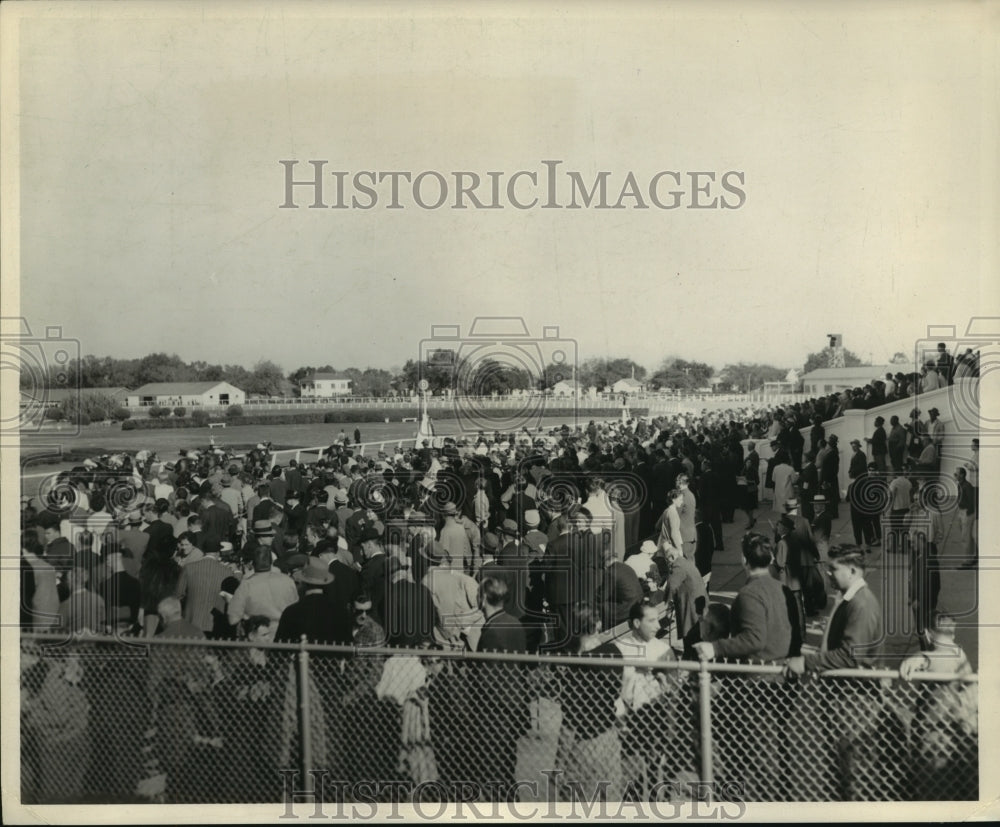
(151, 136)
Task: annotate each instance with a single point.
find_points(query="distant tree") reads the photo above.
(265, 379)
(746, 377)
(370, 381)
(815, 361)
(439, 373)
(680, 373)
(488, 376)
(180, 411)
(900, 358)
(234, 412)
(159, 367)
(603, 373)
(556, 372)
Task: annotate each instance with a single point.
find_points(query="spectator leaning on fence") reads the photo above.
(761, 629)
(854, 632)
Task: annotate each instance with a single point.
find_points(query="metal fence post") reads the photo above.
(305, 736)
(705, 720)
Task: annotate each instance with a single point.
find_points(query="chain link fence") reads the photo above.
(190, 721)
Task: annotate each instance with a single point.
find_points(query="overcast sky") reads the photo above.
(151, 183)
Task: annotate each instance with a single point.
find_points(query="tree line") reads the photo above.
(443, 370)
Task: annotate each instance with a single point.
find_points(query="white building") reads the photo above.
(567, 387)
(628, 385)
(833, 380)
(186, 394)
(325, 384)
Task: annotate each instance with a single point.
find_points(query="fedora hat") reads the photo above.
(314, 573)
(263, 528)
(509, 527)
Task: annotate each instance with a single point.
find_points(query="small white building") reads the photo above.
(186, 394)
(567, 387)
(833, 380)
(325, 384)
(628, 385)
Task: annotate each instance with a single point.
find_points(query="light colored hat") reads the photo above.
(314, 573)
(532, 517)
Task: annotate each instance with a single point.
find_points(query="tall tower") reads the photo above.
(835, 353)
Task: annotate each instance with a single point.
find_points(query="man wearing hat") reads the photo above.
(356, 525)
(217, 519)
(491, 547)
(455, 596)
(879, 442)
(860, 498)
(374, 569)
(314, 615)
(232, 494)
(512, 566)
(132, 542)
(829, 475)
(534, 540)
(340, 507)
(454, 539)
(859, 462)
(295, 516)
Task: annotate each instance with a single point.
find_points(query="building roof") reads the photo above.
(178, 388)
(630, 381)
(863, 373)
(324, 374)
(569, 383)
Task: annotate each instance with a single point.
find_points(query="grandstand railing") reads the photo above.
(175, 720)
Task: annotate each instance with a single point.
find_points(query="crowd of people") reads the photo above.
(525, 542)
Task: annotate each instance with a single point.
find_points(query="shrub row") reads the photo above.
(235, 416)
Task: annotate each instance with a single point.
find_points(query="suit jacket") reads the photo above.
(374, 574)
(410, 614)
(761, 628)
(555, 569)
(858, 466)
(315, 617)
(686, 589)
(502, 633)
(204, 582)
(217, 521)
(853, 636)
(161, 538)
(688, 533)
(346, 583)
(830, 467)
(619, 591)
